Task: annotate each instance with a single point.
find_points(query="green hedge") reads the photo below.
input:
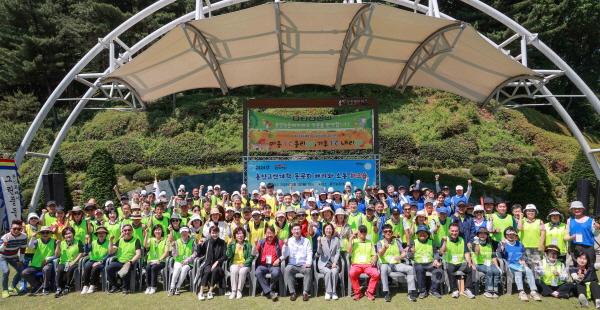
(128, 170)
(457, 149)
(100, 177)
(143, 175)
(395, 146)
(532, 185)
(480, 170)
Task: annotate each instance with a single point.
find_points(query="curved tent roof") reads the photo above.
(286, 44)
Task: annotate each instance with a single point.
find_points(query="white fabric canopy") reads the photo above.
(246, 51)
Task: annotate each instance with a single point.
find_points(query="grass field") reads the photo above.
(188, 301)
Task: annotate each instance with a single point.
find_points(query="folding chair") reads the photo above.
(362, 278)
(318, 276)
(268, 276)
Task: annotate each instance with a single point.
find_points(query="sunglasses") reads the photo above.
(124, 230)
(175, 220)
(16, 228)
(387, 231)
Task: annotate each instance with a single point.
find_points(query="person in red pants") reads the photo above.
(363, 260)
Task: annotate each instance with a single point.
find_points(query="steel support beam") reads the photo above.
(435, 44)
(201, 46)
(279, 43)
(522, 86)
(359, 25)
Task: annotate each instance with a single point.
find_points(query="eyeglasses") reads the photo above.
(387, 231)
(16, 228)
(406, 209)
(175, 220)
(124, 230)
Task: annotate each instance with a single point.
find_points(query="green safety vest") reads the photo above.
(99, 251)
(392, 252)
(138, 233)
(455, 251)
(372, 233)
(184, 250)
(355, 220)
(443, 231)
(408, 224)
(283, 233)
(548, 277)
(157, 249)
(362, 252)
(48, 220)
(485, 255)
(501, 224)
(68, 253)
(397, 228)
(164, 222)
(424, 251)
(531, 234)
(80, 230)
(126, 250)
(42, 251)
(556, 236)
(114, 230)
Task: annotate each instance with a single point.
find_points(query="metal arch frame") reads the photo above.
(356, 29)
(517, 83)
(279, 43)
(431, 9)
(201, 46)
(435, 44)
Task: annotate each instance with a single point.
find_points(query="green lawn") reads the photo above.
(188, 301)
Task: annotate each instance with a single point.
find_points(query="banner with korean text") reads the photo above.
(350, 131)
(305, 174)
(10, 195)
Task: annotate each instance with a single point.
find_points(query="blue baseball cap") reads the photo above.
(423, 228)
(442, 210)
(395, 209)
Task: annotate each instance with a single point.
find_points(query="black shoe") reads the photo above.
(274, 296)
(412, 297)
(58, 293)
(268, 295)
(125, 291)
(305, 296)
(66, 290)
(293, 297)
(387, 297)
(113, 289)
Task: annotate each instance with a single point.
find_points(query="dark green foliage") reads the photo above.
(532, 185)
(128, 170)
(480, 170)
(19, 107)
(185, 149)
(457, 149)
(100, 177)
(395, 146)
(179, 173)
(163, 173)
(581, 169)
(421, 163)
(453, 128)
(512, 168)
(143, 175)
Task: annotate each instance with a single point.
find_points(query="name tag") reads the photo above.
(554, 282)
(455, 258)
(578, 238)
(554, 241)
(368, 237)
(391, 259)
(425, 258)
(487, 262)
(361, 258)
(269, 259)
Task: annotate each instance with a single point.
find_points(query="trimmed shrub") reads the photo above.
(532, 185)
(454, 127)
(438, 164)
(163, 173)
(424, 163)
(396, 145)
(457, 149)
(186, 149)
(128, 170)
(126, 150)
(100, 177)
(450, 163)
(480, 170)
(512, 168)
(179, 173)
(143, 175)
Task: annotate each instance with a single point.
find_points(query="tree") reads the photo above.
(581, 169)
(100, 177)
(532, 185)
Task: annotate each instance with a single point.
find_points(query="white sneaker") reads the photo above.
(209, 295)
(228, 292)
(91, 289)
(327, 296)
(84, 290)
(152, 290)
(148, 289)
(455, 294)
(334, 296)
(201, 296)
(232, 295)
(238, 295)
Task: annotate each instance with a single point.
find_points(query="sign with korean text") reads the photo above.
(350, 131)
(316, 174)
(10, 195)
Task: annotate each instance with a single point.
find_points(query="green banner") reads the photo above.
(355, 120)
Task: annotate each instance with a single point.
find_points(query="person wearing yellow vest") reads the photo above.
(79, 224)
(391, 253)
(256, 227)
(98, 252)
(159, 218)
(45, 250)
(239, 254)
(553, 275)
(533, 235)
(443, 226)
(195, 226)
(157, 247)
(127, 251)
(31, 229)
(395, 221)
(372, 223)
(426, 259)
(458, 258)
(355, 218)
(556, 233)
(71, 250)
(182, 251)
(342, 229)
(500, 221)
(282, 227)
(408, 224)
(363, 260)
(484, 258)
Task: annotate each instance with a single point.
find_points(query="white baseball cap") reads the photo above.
(217, 185)
(181, 187)
(279, 192)
(478, 208)
(459, 187)
(262, 184)
(108, 203)
(143, 192)
(163, 193)
(330, 190)
(530, 207)
(209, 188)
(312, 199)
(243, 186)
(348, 184)
(577, 205)
(255, 192)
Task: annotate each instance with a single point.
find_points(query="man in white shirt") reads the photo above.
(298, 250)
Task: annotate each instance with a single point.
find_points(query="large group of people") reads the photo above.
(435, 240)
